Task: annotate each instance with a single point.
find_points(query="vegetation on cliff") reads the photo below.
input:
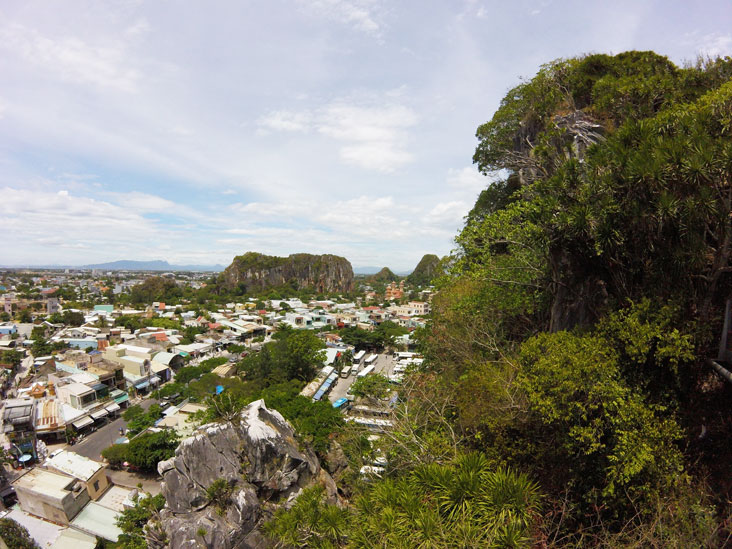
(384, 275)
(426, 270)
(568, 337)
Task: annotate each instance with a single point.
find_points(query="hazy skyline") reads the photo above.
(193, 132)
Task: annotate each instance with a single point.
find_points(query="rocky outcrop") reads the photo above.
(263, 466)
(425, 271)
(384, 275)
(322, 273)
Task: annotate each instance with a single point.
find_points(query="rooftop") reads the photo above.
(75, 465)
(78, 389)
(45, 482)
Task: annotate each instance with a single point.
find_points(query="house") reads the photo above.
(53, 306)
(18, 415)
(93, 474)
(77, 395)
(50, 495)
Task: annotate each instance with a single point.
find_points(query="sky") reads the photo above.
(196, 131)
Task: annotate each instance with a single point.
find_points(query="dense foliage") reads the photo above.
(133, 521)
(465, 503)
(146, 450)
(570, 332)
(426, 270)
(15, 535)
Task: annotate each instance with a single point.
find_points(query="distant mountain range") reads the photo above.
(160, 265)
(157, 265)
(127, 265)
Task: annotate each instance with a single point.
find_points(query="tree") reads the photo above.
(140, 520)
(466, 503)
(16, 536)
(293, 354)
(219, 494)
(12, 357)
(373, 386)
(41, 347)
(24, 315)
(73, 318)
(116, 455)
(146, 450)
(138, 420)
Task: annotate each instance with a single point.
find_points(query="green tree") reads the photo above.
(12, 357)
(146, 450)
(373, 386)
(137, 520)
(116, 455)
(16, 536)
(25, 316)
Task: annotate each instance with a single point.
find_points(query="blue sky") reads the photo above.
(196, 131)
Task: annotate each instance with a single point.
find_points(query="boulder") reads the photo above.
(264, 466)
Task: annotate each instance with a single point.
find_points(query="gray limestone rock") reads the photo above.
(260, 459)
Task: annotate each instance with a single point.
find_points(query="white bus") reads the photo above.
(358, 357)
(366, 371)
(354, 369)
(371, 359)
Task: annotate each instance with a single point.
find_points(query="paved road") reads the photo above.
(384, 365)
(93, 444)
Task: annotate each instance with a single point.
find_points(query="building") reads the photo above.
(91, 473)
(53, 306)
(18, 415)
(392, 292)
(50, 495)
(77, 395)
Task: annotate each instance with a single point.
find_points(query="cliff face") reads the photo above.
(258, 457)
(322, 273)
(425, 270)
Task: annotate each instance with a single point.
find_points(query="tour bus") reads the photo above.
(345, 371)
(354, 369)
(341, 404)
(368, 411)
(371, 359)
(358, 357)
(375, 424)
(366, 371)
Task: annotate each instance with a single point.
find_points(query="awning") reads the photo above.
(99, 414)
(82, 422)
(112, 407)
(99, 387)
(144, 383)
(158, 367)
(122, 398)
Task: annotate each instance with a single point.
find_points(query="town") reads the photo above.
(97, 378)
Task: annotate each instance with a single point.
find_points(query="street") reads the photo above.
(93, 444)
(384, 365)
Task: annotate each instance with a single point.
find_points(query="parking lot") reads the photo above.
(384, 365)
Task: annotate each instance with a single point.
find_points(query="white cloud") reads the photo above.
(72, 59)
(449, 214)
(362, 15)
(467, 179)
(143, 202)
(713, 44)
(374, 136)
(286, 121)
